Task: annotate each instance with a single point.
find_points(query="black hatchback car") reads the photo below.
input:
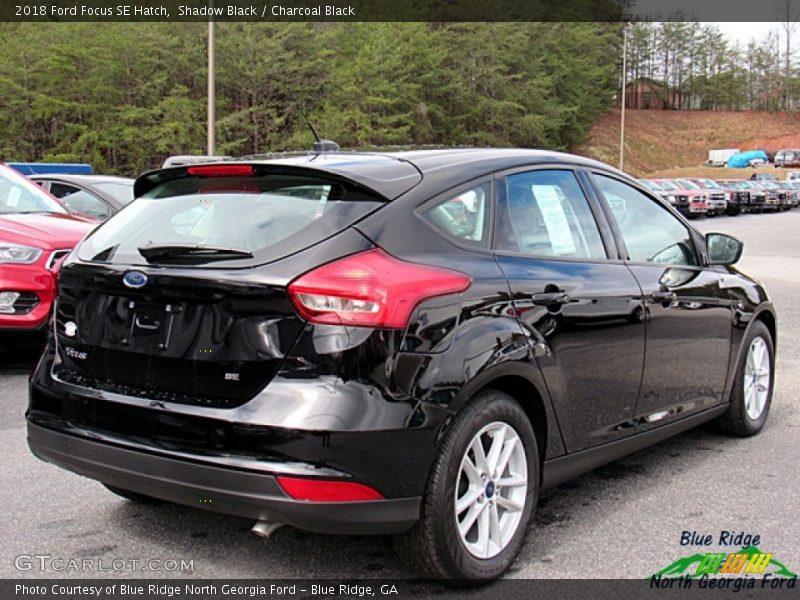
(413, 343)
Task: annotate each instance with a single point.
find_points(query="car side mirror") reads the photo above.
(723, 249)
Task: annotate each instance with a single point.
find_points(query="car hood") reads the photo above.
(48, 231)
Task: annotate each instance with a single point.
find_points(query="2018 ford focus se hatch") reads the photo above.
(413, 343)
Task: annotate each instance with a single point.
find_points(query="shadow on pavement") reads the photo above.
(18, 355)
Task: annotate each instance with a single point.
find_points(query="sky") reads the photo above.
(744, 32)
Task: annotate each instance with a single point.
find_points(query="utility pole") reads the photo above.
(624, 95)
(211, 148)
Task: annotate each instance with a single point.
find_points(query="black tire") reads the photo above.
(433, 547)
(134, 496)
(736, 420)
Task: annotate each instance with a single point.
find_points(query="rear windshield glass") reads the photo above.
(269, 216)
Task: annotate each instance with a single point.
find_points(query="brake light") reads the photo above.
(325, 490)
(370, 289)
(220, 170)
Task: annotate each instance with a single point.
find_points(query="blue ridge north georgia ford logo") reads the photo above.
(134, 279)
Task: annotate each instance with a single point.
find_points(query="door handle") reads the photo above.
(663, 297)
(550, 298)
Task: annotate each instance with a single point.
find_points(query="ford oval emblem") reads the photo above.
(70, 329)
(134, 279)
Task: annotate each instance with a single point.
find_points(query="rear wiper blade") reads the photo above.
(190, 253)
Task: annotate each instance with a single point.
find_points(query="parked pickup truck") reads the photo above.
(733, 198)
(689, 202)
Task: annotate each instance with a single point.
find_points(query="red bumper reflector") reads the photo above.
(220, 170)
(324, 490)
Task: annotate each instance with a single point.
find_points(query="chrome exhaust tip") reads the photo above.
(265, 529)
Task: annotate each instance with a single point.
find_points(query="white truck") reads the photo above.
(719, 158)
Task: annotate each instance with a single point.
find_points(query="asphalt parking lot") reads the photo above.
(624, 520)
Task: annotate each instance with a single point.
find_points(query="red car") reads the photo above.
(36, 232)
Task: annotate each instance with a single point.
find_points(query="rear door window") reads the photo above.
(269, 216)
(546, 214)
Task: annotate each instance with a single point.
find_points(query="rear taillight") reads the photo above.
(325, 490)
(370, 289)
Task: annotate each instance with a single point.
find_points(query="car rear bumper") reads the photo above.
(247, 492)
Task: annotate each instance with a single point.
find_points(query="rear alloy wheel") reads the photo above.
(751, 394)
(480, 495)
(489, 494)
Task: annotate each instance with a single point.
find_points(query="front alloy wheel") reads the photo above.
(757, 376)
(751, 393)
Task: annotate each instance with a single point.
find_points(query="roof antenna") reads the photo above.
(320, 145)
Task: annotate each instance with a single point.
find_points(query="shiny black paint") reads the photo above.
(589, 349)
(688, 341)
(749, 302)
(247, 489)
(488, 345)
(372, 405)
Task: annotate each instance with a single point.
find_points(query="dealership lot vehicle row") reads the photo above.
(701, 196)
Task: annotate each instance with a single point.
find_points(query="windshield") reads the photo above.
(651, 185)
(254, 219)
(708, 184)
(18, 194)
(689, 185)
(668, 185)
(122, 192)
